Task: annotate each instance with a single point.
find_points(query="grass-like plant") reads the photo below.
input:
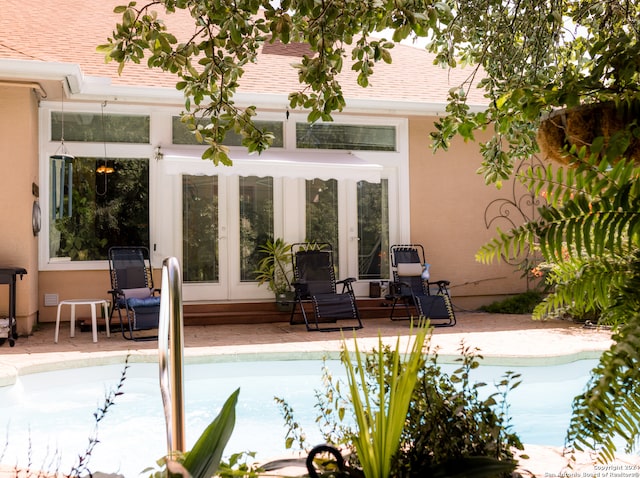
(380, 420)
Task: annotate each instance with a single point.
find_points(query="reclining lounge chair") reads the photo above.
(132, 292)
(315, 286)
(420, 296)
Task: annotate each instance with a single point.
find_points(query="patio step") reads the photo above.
(217, 313)
(264, 312)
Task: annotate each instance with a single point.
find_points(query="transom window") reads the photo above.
(182, 135)
(346, 136)
(98, 127)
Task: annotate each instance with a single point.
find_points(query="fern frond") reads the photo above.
(515, 243)
(583, 283)
(610, 406)
(598, 228)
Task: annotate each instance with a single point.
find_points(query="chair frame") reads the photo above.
(398, 288)
(118, 295)
(302, 295)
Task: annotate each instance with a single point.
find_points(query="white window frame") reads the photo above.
(80, 149)
(164, 191)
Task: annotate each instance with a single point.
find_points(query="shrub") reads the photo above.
(448, 423)
(518, 304)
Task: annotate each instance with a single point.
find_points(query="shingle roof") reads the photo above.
(68, 31)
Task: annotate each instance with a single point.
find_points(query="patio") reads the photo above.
(504, 338)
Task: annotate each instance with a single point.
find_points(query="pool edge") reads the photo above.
(11, 370)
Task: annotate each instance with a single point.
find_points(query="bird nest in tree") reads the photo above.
(580, 125)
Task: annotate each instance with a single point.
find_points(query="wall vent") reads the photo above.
(50, 300)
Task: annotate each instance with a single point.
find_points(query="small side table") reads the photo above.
(94, 326)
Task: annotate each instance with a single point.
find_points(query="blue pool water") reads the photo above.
(54, 411)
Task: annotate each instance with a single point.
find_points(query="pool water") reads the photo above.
(52, 414)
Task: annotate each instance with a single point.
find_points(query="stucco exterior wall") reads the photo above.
(92, 284)
(448, 203)
(19, 166)
(72, 285)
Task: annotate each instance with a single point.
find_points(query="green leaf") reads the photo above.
(204, 458)
(500, 102)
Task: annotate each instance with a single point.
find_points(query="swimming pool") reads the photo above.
(54, 410)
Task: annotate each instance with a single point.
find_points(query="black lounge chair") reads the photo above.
(132, 292)
(315, 286)
(425, 298)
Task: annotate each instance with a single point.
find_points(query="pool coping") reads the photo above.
(9, 372)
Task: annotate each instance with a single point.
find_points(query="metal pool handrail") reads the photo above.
(170, 351)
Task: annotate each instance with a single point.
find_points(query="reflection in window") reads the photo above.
(345, 136)
(182, 135)
(110, 199)
(322, 213)
(256, 222)
(200, 228)
(373, 230)
(93, 127)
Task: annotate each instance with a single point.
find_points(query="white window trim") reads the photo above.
(165, 236)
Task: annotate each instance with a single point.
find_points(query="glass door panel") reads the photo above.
(203, 241)
(256, 222)
(322, 213)
(373, 230)
(200, 261)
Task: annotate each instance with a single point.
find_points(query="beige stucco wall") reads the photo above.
(19, 166)
(72, 285)
(94, 284)
(448, 203)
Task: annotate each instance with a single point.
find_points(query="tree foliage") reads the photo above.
(528, 57)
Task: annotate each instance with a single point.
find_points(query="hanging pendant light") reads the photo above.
(104, 169)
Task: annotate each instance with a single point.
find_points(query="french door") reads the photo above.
(225, 220)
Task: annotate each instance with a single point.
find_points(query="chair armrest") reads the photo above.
(346, 284)
(394, 289)
(300, 288)
(440, 283)
(348, 280)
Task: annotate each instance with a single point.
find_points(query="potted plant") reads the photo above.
(276, 270)
(587, 125)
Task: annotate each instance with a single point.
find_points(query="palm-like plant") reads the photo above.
(274, 268)
(590, 229)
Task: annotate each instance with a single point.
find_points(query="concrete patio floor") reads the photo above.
(506, 339)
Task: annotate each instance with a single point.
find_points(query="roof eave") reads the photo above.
(86, 88)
